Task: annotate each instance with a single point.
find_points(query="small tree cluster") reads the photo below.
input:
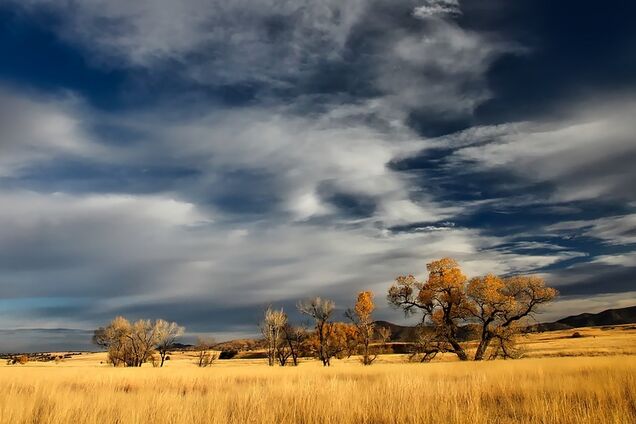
(271, 328)
(283, 341)
(329, 339)
(132, 344)
(18, 360)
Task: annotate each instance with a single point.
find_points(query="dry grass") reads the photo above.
(534, 390)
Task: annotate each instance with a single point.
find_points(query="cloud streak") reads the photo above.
(259, 152)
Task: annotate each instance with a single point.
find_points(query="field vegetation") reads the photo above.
(548, 390)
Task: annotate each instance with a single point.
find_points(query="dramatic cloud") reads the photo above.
(197, 160)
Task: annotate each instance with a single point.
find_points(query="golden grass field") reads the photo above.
(562, 380)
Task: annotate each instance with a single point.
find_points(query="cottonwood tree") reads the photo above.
(338, 340)
(271, 328)
(344, 340)
(361, 318)
(167, 335)
(494, 306)
(324, 339)
(144, 337)
(115, 339)
(498, 305)
(132, 344)
(442, 300)
(128, 344)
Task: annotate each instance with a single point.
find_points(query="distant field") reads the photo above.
(591, 379)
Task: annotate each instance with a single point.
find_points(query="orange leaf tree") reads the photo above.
(361, 318)
(449, 303)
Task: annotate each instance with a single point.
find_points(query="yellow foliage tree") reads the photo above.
(495, 306)
(364, 325)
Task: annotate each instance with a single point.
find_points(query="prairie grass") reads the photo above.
(546, 390)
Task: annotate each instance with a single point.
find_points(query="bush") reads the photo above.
(21, 360)
(576, 335)
(228, 354)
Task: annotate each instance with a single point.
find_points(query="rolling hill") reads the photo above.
(608, 317)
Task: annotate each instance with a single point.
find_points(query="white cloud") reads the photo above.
(432, 8)
(236, 40)
(130, 251)
(626, 259)
(588, 156)
(431, 70)
(615, 230)
(37, 129)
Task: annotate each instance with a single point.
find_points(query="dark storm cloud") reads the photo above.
(198, 160)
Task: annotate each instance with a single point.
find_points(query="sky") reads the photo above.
(198, 160)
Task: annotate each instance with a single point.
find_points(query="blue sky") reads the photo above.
(198, 160)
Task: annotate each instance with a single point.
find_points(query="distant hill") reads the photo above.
(608, 317)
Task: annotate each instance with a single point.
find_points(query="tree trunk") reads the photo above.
(482, 347)
(459, 351)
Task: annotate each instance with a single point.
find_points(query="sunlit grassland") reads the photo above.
(583, 387)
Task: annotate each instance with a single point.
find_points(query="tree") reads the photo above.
(498, 305)
(167, 335)
(143, 339)
(271, 328)
(343, 341)
(442, 299)
(116, 339)
(205, 356)
(425, 346)
(493, 306)
(337, 340)
(361, 318)
(292, 344)
(321, 310)
(132, 344)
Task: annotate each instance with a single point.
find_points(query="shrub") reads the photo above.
(21, 360)
(228, 354)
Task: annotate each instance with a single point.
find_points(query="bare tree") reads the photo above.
(205, 355)
(320, 310)
(292, 344)
(426, 345)
(143, 338)
(132, 344)
(271, 328)
(383, 334)
(116, 339)
(167, 335)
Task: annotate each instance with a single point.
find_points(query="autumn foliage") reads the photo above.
(493, 307)
(488, 310)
